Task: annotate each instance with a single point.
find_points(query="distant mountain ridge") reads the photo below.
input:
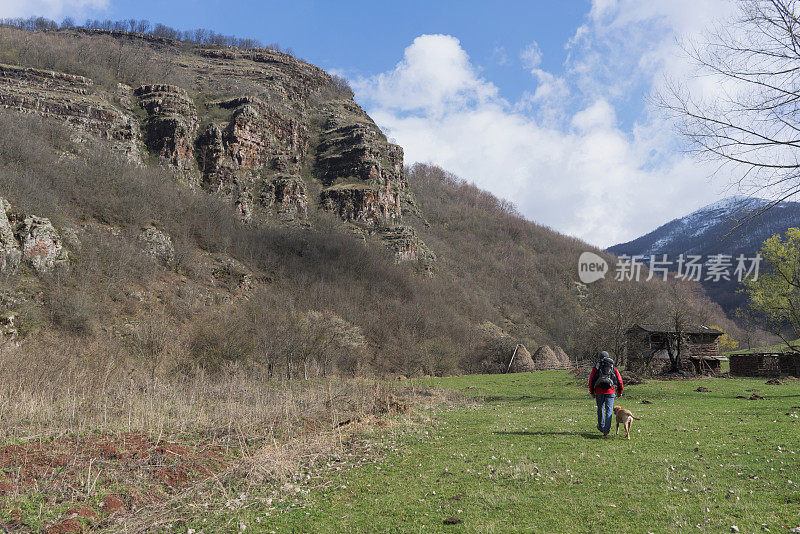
(723, 227)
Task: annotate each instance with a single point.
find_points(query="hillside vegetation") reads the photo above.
(326, 282)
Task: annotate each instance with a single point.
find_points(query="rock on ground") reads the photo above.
(41, 244)
(10, 254)
(158, 244)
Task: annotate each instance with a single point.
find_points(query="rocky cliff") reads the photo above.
(276, 136)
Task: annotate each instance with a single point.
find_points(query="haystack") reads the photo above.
(562, 357)
(522, 361)
(547, 359)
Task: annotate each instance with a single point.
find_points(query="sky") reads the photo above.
(547, 104)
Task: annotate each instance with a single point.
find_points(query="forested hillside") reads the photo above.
(201, 206)
(728, 227)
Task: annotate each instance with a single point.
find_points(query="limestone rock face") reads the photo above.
(256, 137)
(8, 328)
(372, 205)
(233, 275)
(363, 171)
(70, 99)
(365, 182)
(29, 238)
(210, 149)
(280, 129)
(171, 123)
(41, 244)
(158, 244)
(10, 253)
(288, 196)
(257, 132)
(405, 244)
(255, 158)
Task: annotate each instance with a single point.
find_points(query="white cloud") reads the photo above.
(53, 9)
(435, 74)
(501, 56)
(599, 116)
(549, 101)
(589, 181)
(630, 43)
(531, 56)
(559, 152)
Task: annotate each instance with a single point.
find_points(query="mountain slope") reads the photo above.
(719, 228)
(220, 208)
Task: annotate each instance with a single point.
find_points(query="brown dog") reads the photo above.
(626, 418)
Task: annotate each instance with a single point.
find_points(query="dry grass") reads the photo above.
(49, 389)
(80, 429)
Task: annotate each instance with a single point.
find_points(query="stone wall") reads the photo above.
(767, 364)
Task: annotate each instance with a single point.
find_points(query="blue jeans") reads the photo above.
(605, 411)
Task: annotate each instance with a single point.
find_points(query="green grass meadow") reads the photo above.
(525, 457)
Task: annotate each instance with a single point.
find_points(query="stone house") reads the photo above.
(646, 347)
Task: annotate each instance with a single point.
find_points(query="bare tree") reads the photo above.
(753, 127)
(676, 339)
(680, 316)
(327, 339)
(613, 308)
(149, 342)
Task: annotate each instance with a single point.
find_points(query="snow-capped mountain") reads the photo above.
(729, 227)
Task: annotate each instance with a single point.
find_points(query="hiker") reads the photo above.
(604, 383)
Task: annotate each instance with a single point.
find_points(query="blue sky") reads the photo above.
(366, 37)
(541, 102)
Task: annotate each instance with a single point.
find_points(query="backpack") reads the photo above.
(605, 377)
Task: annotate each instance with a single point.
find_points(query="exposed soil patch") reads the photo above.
(74, 470)
(112, 504)
(68, 526)
(82, 511)
(774, 382)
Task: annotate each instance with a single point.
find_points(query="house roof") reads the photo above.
(687, 329)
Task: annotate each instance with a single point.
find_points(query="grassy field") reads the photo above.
(509, 453)
(526, 457)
